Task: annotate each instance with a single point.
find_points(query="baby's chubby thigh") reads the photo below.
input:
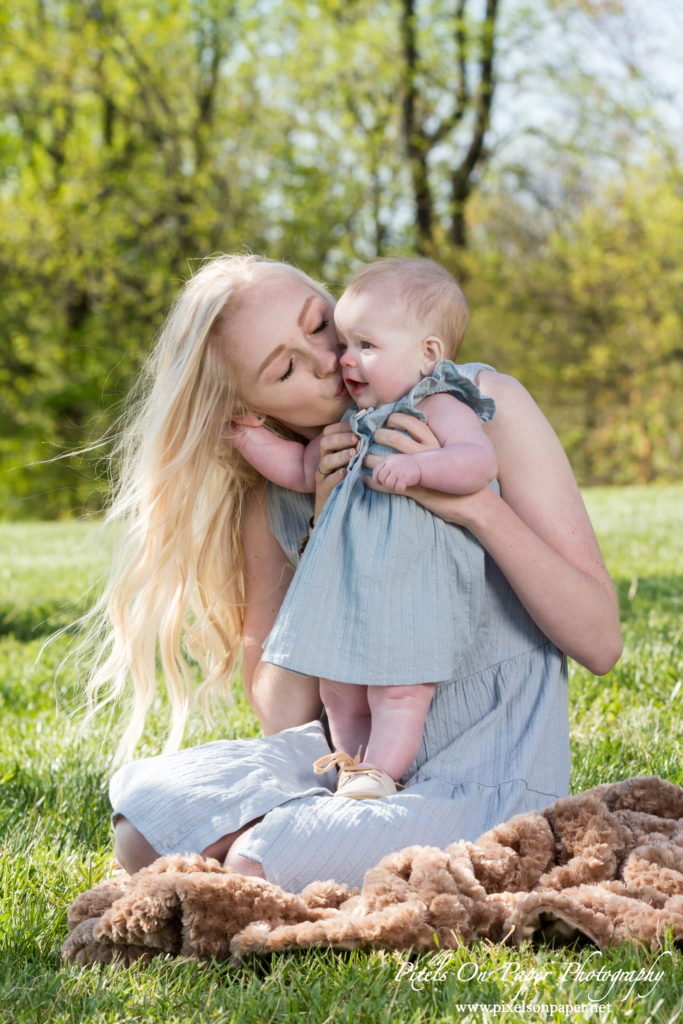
(348, 712)
(343, 697)
(411, 700)
(398, 715)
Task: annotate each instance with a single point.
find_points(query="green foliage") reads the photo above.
(119, 174)
(138, 138)
(592, 322)
(55, 838)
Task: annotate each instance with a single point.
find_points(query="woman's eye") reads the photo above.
(321, 326)
(288, 371)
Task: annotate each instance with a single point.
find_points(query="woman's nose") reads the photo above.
(326, 361)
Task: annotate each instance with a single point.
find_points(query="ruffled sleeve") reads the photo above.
(447, 378)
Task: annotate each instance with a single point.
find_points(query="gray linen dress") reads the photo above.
(495, 743)
(386, 594)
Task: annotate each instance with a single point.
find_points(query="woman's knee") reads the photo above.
(131, 849)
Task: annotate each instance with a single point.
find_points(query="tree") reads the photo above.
(136, 139)
(450, 113)
(592, 322)
(115, 176)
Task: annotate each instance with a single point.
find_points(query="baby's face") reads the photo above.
(382, 350)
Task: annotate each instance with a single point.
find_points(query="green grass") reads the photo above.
(55, 838)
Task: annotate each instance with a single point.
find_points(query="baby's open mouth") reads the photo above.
(354, 385)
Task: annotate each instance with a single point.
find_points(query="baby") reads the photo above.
(387, 595)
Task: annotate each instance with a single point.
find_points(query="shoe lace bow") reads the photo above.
(338, 759)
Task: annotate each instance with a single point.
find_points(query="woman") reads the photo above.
(252, 340)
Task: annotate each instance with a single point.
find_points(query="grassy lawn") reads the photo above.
(55, 838)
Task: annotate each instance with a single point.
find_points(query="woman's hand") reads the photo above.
(338, 445)
(408, 435)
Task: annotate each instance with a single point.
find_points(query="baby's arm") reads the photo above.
(290, 464)
(465, 463)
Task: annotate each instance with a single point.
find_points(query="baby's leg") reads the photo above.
(348, 712)
(398, 714)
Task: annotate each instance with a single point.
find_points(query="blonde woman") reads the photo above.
(209, 553)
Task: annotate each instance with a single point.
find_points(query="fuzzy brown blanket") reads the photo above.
(606, 864)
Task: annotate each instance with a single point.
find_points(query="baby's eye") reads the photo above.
(288, 371)
(321, 326)
(366, 344)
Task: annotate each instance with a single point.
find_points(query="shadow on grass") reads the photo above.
(39, 620)
(647, 591)
(613, 758)
(57, 799)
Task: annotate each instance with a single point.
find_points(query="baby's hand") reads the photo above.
(241, 436)
(397, 473)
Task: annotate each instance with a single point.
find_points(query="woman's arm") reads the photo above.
(538, 532)
(279, 699)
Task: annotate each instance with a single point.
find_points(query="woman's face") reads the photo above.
(283, 351)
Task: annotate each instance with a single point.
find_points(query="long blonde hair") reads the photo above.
(176, 586)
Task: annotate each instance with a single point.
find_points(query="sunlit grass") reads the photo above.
(56, 842)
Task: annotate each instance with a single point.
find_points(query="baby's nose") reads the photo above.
(346, 358)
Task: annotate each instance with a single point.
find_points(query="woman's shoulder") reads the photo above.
(516, 408)
(473, 371)
(509, 394)
(485, 374)
(255, 515)
(449, 378)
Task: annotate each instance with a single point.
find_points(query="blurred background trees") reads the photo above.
(532, 147)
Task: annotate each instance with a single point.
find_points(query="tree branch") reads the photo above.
(461, 179)
(416, 141)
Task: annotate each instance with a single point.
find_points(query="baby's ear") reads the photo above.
(433, 349)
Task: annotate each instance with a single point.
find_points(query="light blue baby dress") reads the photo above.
(386, 593)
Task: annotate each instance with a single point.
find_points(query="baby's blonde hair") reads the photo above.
(176, 586)
(430, 295)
